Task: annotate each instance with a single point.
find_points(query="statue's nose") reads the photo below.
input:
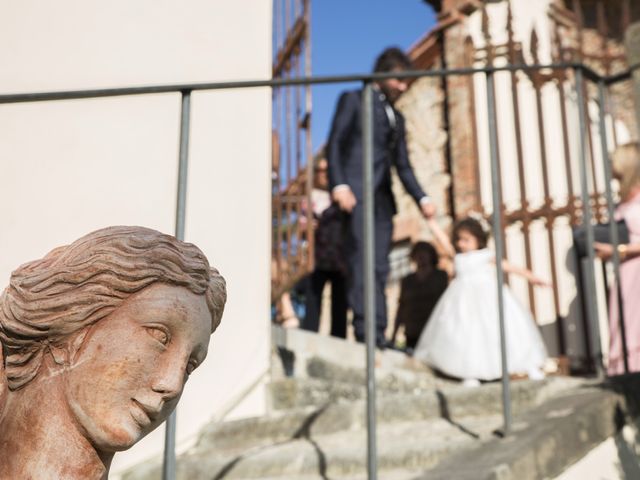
(169, 379)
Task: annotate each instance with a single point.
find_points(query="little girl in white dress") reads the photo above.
(462, 336)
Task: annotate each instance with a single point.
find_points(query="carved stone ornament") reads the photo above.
(97, 340)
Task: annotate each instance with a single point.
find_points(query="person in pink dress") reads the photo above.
(626, 166)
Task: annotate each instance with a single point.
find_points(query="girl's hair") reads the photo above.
(426, 249)
(472, 226)
(77, 285)
(626, 164)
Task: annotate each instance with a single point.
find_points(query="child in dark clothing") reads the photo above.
(419, 293)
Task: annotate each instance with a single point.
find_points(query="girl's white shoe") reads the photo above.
(535, 374)
(471, 382)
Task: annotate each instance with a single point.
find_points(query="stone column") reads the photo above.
(633, 55)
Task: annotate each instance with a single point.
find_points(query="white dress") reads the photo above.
(462, 337)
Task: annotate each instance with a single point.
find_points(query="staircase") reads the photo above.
(316, 429)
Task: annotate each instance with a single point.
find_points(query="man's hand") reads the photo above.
(345, 198)
(428, 210)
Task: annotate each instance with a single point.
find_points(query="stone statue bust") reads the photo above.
(97, 340)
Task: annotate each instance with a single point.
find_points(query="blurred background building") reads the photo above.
(539, 141)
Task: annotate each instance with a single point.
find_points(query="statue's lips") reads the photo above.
(144, 415)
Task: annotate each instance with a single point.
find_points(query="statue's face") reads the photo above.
(130, 371)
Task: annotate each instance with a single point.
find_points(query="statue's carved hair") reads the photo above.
(77, 285)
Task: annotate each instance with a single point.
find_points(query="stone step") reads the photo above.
(295, 348)
(388, 475)
(396, 474)
(413, 375)
(411, 447)
(336, 414)
(291, 393)
(547, 439)
(416, 431)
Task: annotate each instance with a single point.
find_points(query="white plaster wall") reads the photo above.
(67, 168)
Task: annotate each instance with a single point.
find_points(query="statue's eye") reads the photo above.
(160, 334)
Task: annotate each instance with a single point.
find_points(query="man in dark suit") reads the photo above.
(344, 154)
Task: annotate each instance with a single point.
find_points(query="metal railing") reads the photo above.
(581, 71)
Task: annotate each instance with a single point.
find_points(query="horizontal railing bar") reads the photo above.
(279, 82)
(619, 77)
(622, 76)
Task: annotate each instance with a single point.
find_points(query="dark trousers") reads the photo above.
(383, 229)
(317, 281)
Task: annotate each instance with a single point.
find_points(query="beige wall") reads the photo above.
(67, 168)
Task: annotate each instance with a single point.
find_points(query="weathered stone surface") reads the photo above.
(339, 414)
(427, 401)
(321, 431)
(97, 340)
(302, 347)
(415, 433)
(551, 437)
(422, 107)
(407, 446)
(398, 379)
(543, 442)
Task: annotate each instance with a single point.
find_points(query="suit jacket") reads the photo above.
(344, 150)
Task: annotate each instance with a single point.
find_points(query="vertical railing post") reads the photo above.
(602, 99)
(183, 164)
(588, 269)
(497, 235)
(169, 458)
(369, 274)
(306, 13)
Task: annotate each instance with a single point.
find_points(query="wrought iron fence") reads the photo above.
(292, 217)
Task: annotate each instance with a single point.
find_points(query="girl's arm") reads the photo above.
(441, 237)
(527, 274)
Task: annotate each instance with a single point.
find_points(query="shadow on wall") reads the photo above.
(574, 325)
